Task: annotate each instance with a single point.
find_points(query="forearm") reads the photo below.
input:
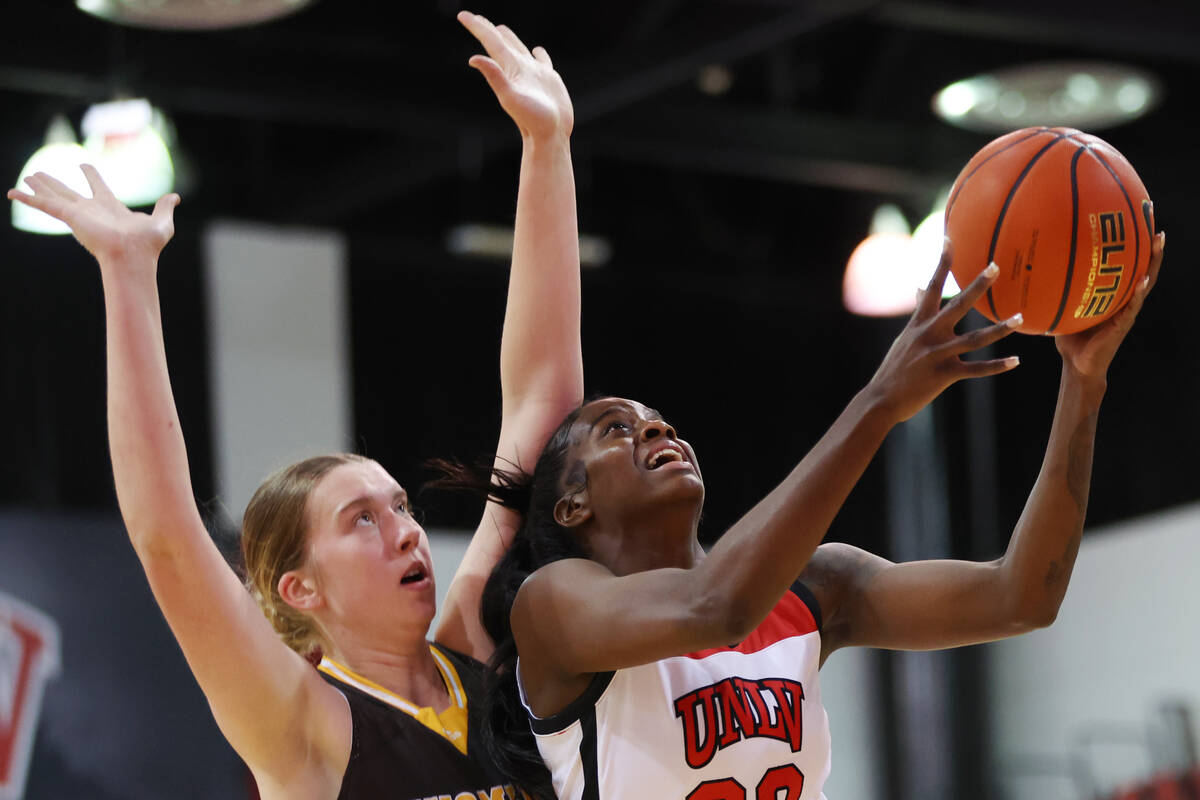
(541, 366)
(271, 706)
(149, 459)
(758, 558)
(540, 354)
(1041, 554)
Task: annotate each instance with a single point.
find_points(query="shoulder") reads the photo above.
(834, 575)
(326, 742)
(563, 575)
(471, 673)
(833, 563)
(553, 585)
(456, 657)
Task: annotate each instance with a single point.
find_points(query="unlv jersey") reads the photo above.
(743, 722)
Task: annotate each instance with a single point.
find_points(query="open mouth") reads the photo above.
(666, 455)
(414, 574)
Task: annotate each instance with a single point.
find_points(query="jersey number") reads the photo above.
(786, 778)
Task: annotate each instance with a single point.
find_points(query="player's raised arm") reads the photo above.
(541, 365)
(274, 709)
(935, 604)
(606, 619)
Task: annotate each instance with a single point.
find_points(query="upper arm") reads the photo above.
(920, 605)
(575, 617)
(272, 706)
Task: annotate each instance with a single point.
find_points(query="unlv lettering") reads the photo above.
(723, 713)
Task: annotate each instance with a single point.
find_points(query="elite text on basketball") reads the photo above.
(1108, 243)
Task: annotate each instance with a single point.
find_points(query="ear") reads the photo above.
(299, 590)
(572, 510)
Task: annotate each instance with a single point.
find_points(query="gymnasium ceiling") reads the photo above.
(740, 209)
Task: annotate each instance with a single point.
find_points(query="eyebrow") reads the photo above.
(653, 414)
(365, 499)
(611, 410)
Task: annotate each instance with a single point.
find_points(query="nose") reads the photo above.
(407, 533)
(655, 428)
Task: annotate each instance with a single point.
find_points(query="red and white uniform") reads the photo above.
(732, 723)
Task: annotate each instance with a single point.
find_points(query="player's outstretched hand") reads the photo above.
(1090, 351)
(925, 358)
(102, 223)
(524, 80)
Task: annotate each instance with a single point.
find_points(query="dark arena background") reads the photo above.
(730, 156)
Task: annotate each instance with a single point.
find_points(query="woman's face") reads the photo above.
(368, 557)
(633, 458)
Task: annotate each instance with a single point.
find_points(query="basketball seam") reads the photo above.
(1066, 293)
(1137, 239)
(969, 175)
(1004, 210)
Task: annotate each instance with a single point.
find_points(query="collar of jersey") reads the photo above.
(451, 724)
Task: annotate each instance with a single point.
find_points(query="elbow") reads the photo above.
(1042, 617)
(1033, 600)
(1034, 614)
(148, 544)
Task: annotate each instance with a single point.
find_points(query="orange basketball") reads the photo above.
(1066, 219)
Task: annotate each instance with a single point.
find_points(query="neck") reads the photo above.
(407, 670)
(647, 541)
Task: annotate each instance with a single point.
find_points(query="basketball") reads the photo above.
(1065, 217)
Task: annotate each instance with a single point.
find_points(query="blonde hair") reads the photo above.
(275, 541)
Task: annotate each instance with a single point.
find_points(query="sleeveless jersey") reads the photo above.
(734, 723)
(396, 756)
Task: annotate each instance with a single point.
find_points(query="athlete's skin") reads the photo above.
(649, 591)
(292, 728)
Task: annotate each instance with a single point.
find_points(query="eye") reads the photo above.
(404, 508)
(364, 518)
(614, 425)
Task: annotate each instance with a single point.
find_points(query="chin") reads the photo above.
(691, 491)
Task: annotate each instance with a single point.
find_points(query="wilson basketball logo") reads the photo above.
(1108, 264)
(29, 656)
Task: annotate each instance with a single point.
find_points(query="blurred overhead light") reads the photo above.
(928, 239)
(714, 79)
(128, 140)
(1085, 95)
(496, 241)
(190, 14)
(889, 266)
(60, 158)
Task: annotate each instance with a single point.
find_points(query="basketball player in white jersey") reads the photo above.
(648, 668)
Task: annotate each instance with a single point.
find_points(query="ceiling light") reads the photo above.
(887, 268)
(714, 79)
(190, 14)
(1085, 95)
(128, 141)
(60, 158)
(928, 239)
